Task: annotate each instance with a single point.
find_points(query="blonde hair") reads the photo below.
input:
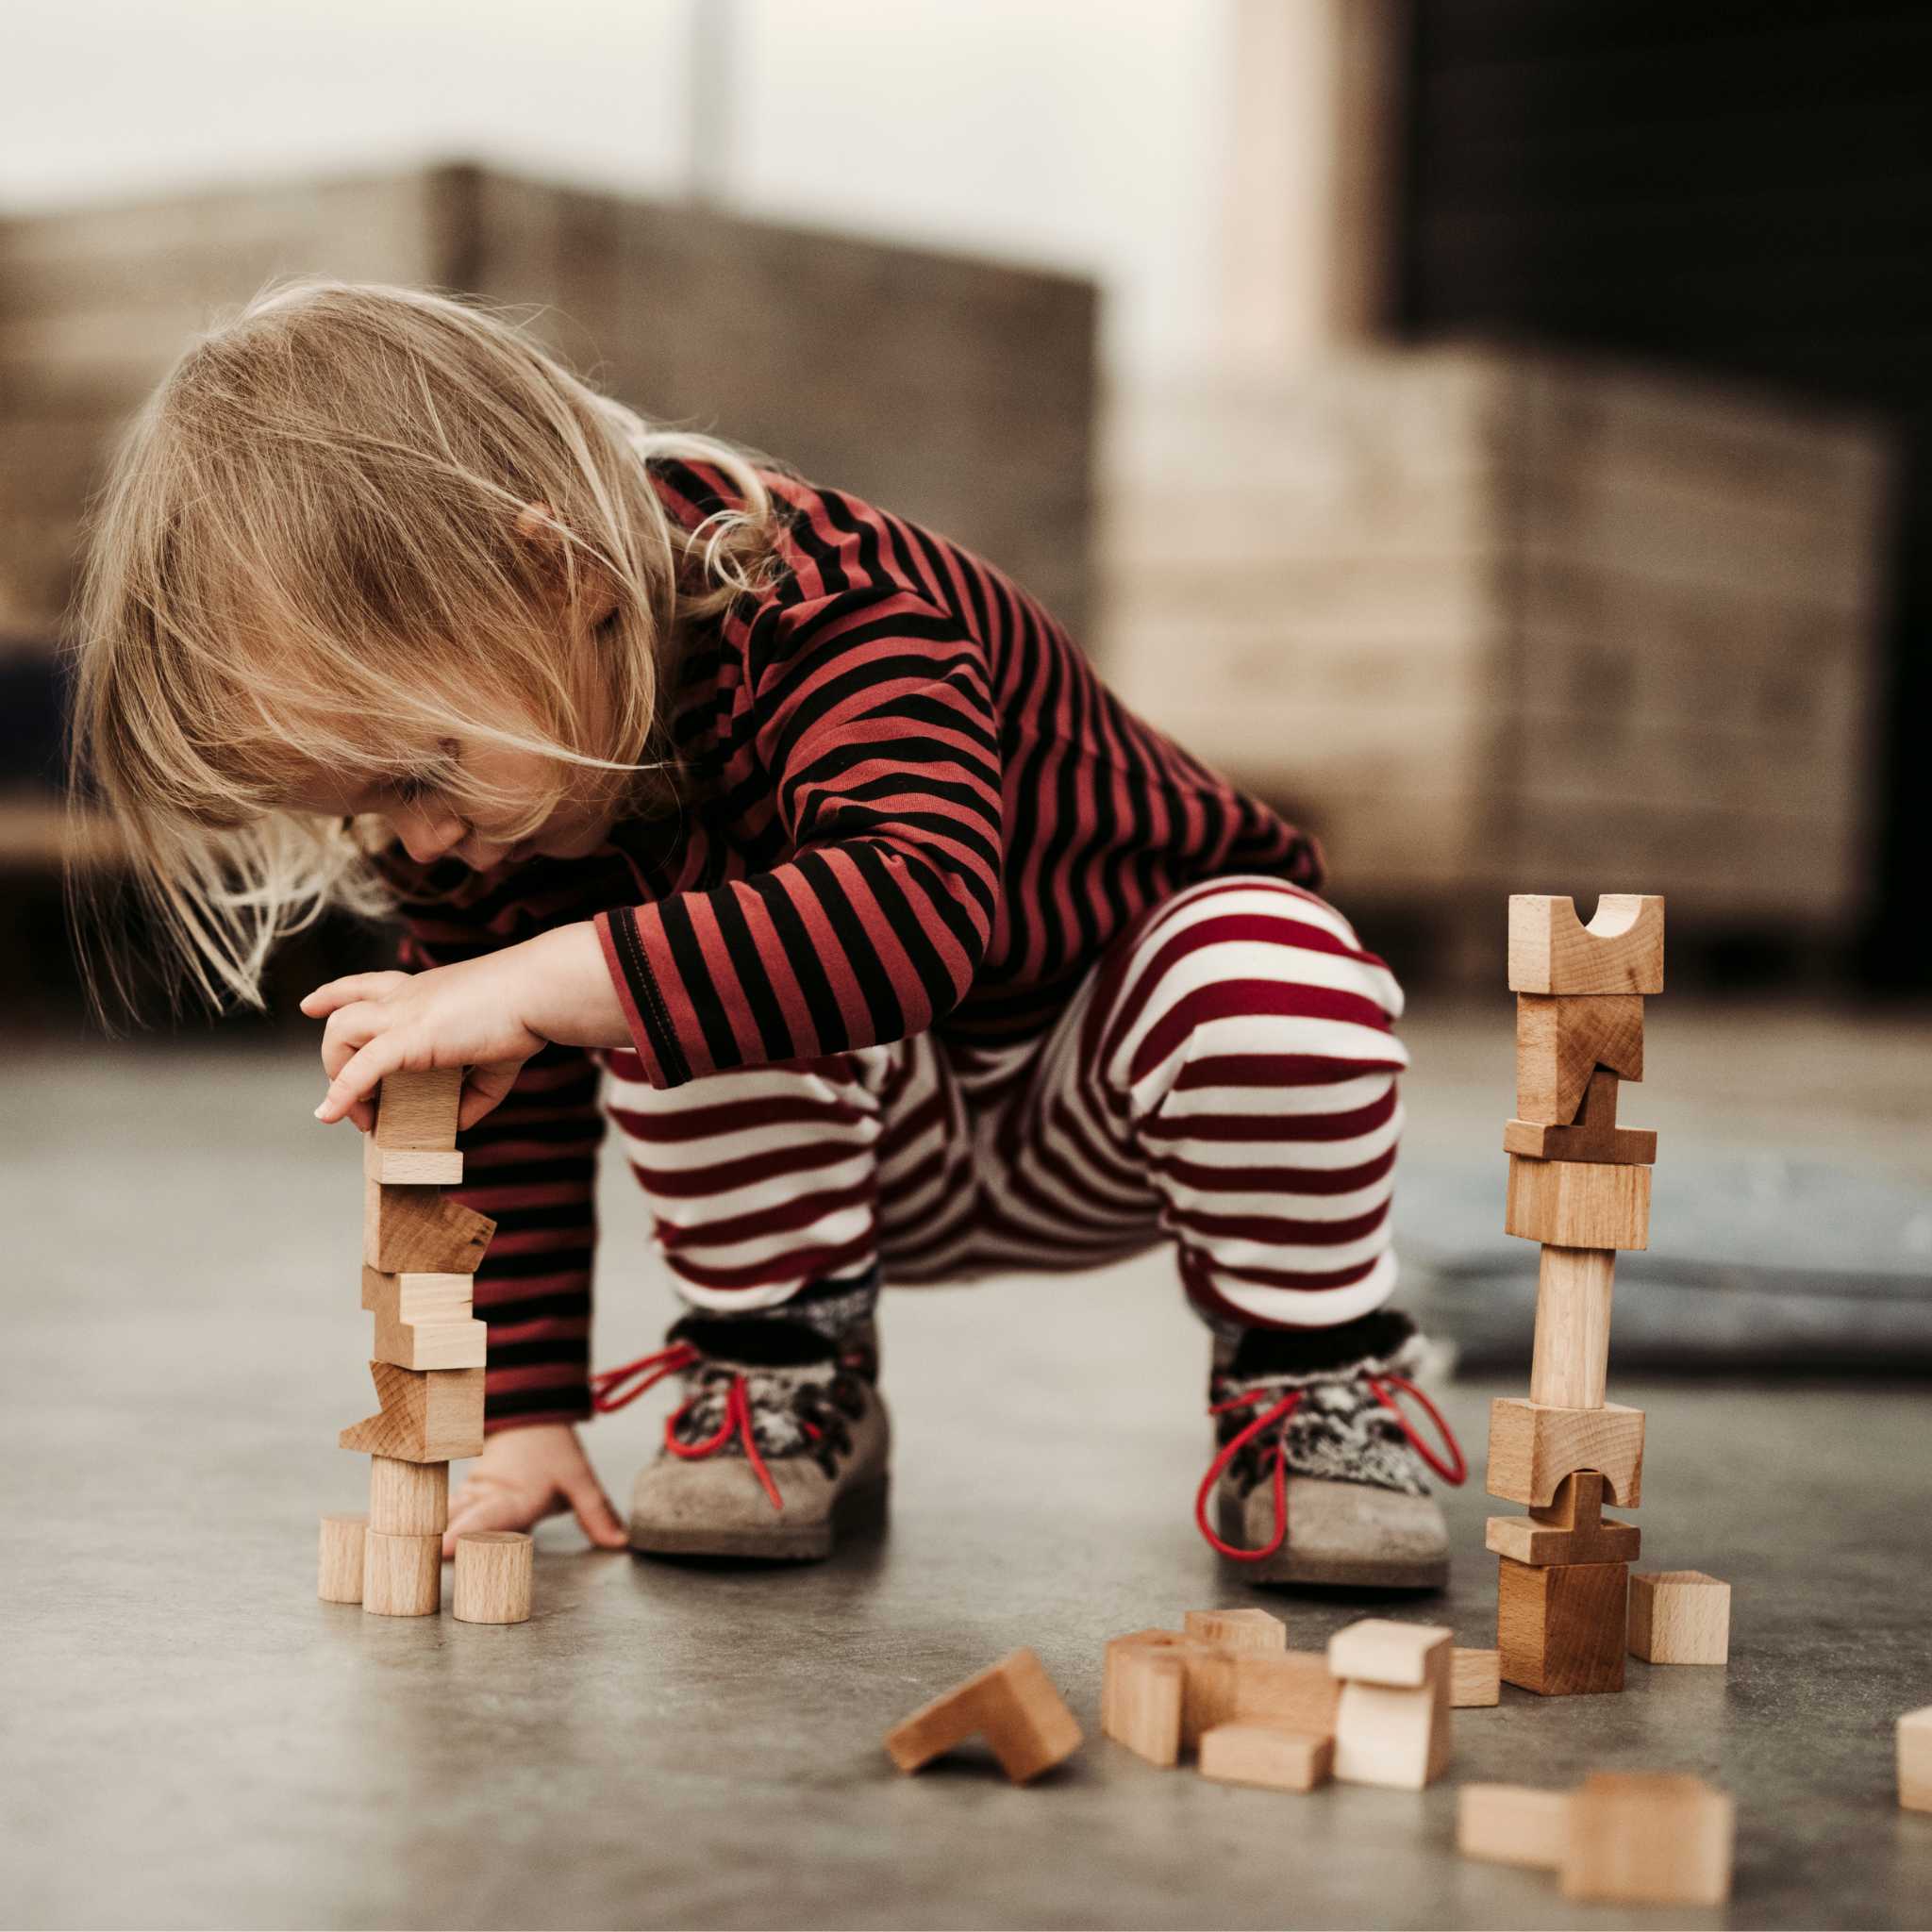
(306, 556)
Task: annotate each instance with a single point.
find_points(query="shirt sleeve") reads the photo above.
(531, 1165)
(872, 727)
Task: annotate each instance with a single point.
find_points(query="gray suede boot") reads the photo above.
(781, 1443)
(1318, 1480)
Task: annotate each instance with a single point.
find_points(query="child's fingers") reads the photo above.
(484, 1506)
(359, 1077)
(323, 1001)
(593, 1512)
(484, 1090)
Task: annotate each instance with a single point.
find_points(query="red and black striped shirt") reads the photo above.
(907, 802)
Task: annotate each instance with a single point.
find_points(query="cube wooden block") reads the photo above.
(1513, 1824)
(1915, 1759)
(417, 1230)
(1562, 1040)
(1245, 1629)
(426, 1416)
(493, 1570)
(1113, 1659)
(411, 1167)
(340, 1568)
(1533, 1447)
(1649, 1838)
(419, 1110)
(1573, 1529)
(1680, 1617)
(1561, 1626)
(1397, 1735)
(1012, 1704)
(1592, 1135)
(402, 1576)
(407, 1498)
(1270, 1755)
(1578, 1203)
(1620, 950)
(1293, 1688)
(1475, 1678)
(1379, 1650)
(1141, 1701)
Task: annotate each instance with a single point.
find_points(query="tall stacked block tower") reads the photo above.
(1579, 1184)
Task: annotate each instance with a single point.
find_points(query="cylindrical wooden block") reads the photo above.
(402, 1576)
(342, 1533)
(407, 1498)
(1572, 1327)
(493, 1576)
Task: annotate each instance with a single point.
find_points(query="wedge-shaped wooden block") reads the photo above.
(1245, 1629)
(417, 1230)
(1475, 1678)
(1379, 1650)
(1012, 1704)
(1915, 1759)
(1533, 1447)
(1578, 1203)
(426, 1416)
(407, 1498)
(1680, 1617)
(410, 1167)
(1620, 950)
(1562, 1040)
(1572, 1353)
(1561, 1626)
(1270, 1755)
(339, 1577)
(1393, 1734)
(1649, 1838)
(493, 1576)
(419, 1109)
(402, 1576)
(1513, 1824)
(1573, 1529)
(1592, 1135)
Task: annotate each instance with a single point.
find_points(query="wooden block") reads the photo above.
(1680, 1617)
(1270, 1755)
(1620, 950)
(493, 1576)
(1378, 1650)
(419, 1110)
(1513, 1824)
(340, 1567)
(1572, 1529)
(1649, 1838)
(407, 1498)
(1578, 1203)
(418, 1230)
(1113, 1660)
(1915, 1759)
(1144, 1709)
(1244, 1630)
(1561, 1626)
(1593, 1135)
(1384, 1736)
(426, 1416)
(1475, 1678)
(1294, 1689)
(1562, 1040)
(417, 1297)
(1013, 1704)
(431, 1344)
(410, 1167)
(1572, 1352)
(1533, 1447)
(402, 1576)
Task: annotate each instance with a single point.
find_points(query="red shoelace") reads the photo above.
(1455, 1472)
(618, 1388)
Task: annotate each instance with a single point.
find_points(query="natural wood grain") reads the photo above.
(1560, 1626)
(1532, 1448)
(1620, 950)
(1386, 1734)
(419, 1109)
(1268, 1754)
(426, 1416)
(1379, 1650)
(1294, 1689)
(1571, 1356)
(1142, 1710)
(1680, 1617)
(1562, 1039)
(1012, 1703)
(411, 1231)
(407, 1498)
(1513, 1824)
(1243, 1629)
(1649, 1838)
(1915, 1759)
(1113, 1660)
(1475, 1678)
(493, 1576)
(402, 1576)
(1593, 1135)
(340, 1569)
(410, 1167)
(418, 1297)
(1578, 1203)
(1570, 1529)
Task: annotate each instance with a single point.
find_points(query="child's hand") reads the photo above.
(523, 1476)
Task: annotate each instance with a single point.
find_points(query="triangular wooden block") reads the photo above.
(426, 1415)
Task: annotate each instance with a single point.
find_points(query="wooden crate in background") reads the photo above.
(1490, 621)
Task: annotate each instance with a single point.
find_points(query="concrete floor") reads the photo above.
(191, 1740)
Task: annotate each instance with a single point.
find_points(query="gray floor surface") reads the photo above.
(187, 1737)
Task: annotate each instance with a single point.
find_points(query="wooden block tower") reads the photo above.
(1580, 1185)
(420, 1252)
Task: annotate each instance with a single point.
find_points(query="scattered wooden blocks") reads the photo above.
(1513, 1824)
(1243, 1630)
(1592, 1135)
(1012, 1704)
(407, 1498)
(493, 1576)
(1649, 1838)
(412, 1230)
(1533, 1447)
(419, 1110)
(1915, 1759)
(430, 1416)
(1572, 1529)
(1392, 1727)
(1560, 1042)
(1270, 1755)
(410, 1167)
(1570, 1355)
(1475, 1678)
(341, 1566)
(1620, 950)
(1578, 1203)
(1680, 1617)
(1561, 1627)
(402, 1576)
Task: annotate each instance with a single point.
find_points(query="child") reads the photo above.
(903, 948)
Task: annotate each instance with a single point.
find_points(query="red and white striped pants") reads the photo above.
(1225, 1075)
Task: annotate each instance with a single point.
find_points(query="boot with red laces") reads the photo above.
(1320, 1475)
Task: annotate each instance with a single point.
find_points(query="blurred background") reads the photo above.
(1493, 431)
